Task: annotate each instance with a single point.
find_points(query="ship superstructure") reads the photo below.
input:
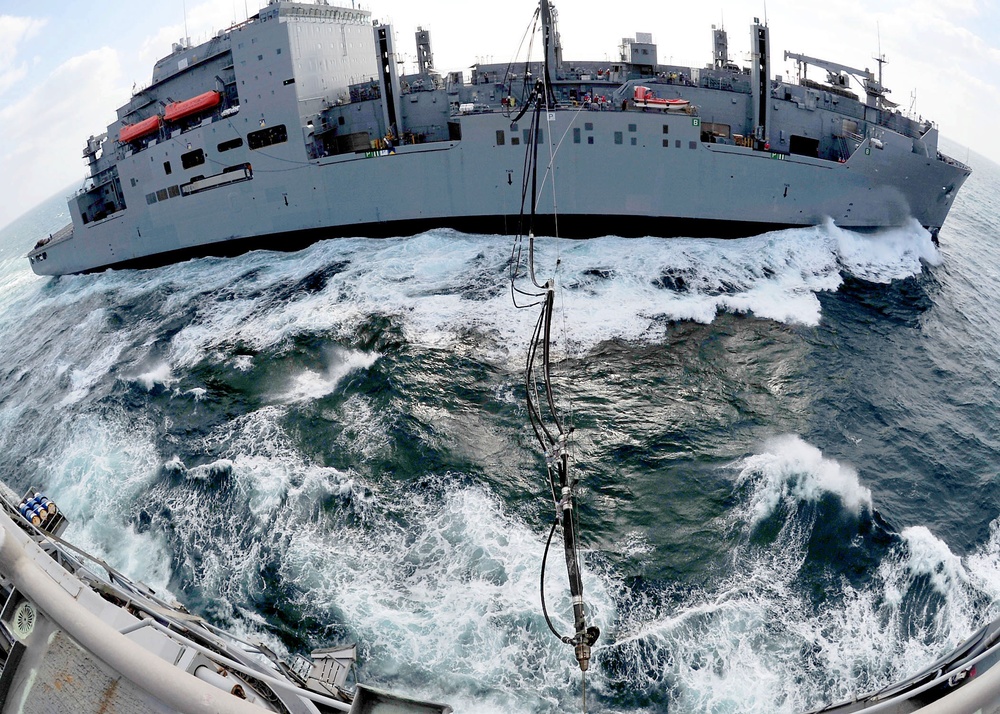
(297, 125)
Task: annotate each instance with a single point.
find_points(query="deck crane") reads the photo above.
(835, 75)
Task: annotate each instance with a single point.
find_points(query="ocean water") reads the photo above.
(787, 448)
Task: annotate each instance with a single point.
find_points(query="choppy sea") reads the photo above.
(787, 448)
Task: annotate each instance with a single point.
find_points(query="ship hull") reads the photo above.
(629, 183)
(579, 227)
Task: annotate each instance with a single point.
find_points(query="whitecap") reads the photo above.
(309, 385)
(791, 470)
(160, 373)
(887, 255)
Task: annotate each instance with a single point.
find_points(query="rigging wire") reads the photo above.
(551, 431)
(529, 32)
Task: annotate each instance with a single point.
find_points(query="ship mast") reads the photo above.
(552, 47)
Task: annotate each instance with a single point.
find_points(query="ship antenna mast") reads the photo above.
(549, 50)
(881, 57)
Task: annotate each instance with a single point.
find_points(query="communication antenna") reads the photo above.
(184, 8)
(880, 58)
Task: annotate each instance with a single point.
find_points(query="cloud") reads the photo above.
(951, 68)
(203, 22)
(14, 31)
(45, 129)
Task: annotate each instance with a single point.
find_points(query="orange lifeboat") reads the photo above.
(178, 110)
(644, 97)
(131, 132)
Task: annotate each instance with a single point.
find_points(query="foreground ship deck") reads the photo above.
(296, 126)
(77, 636)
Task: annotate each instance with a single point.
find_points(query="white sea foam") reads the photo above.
(440, 584)
(83, 357)
(99, 474)
(889, 255)
(754, 642)
(160, 373)
(310, 385)
(924, 558)
(243, 363)
(439, 286)
(454, 594)
(790, 471)
(984, 567)
(931, 557)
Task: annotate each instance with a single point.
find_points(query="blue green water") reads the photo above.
(786, 444)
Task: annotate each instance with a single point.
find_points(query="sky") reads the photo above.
(66, 66)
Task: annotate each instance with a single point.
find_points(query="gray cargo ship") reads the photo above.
(296, 125)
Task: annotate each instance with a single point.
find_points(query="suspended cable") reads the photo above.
(552, 433)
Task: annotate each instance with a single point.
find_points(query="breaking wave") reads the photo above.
(435, 289)
(763, 622)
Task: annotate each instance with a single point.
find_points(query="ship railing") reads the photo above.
(165, 618)
(279, 683)
(951, 674)
(61, 234)
(953, 162)
(75, 560)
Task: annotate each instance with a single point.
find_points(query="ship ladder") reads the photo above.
(845, 150)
